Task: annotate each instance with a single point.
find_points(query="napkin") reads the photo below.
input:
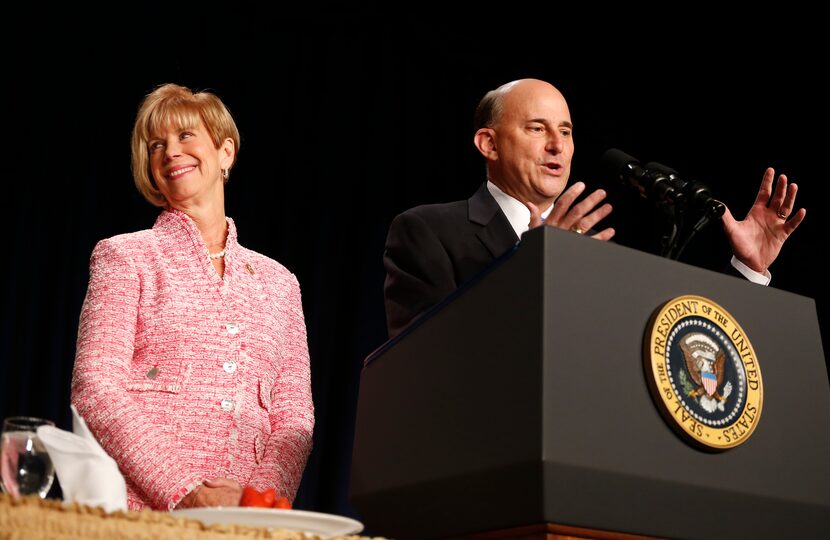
(86, 473)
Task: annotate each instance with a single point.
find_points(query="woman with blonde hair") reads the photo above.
(192, 365)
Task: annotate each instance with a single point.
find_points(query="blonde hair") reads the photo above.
(171, 105)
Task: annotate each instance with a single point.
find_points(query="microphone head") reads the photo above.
(715, 208)
(615, 163)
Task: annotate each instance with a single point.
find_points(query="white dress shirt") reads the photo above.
(517, 213)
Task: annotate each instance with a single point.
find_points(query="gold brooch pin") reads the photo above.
(249, 268)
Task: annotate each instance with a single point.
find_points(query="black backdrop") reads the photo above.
(349, 117)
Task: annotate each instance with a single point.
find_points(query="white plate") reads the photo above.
(295, 520)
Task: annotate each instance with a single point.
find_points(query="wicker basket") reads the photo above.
(32, 518)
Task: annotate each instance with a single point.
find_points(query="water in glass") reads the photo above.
(25, 467)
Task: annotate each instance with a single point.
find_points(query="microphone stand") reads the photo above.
(713, 208)
(668, 241)
(702, 222)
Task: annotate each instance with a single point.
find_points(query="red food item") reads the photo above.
(282, 502)
(269, 497)
(251, 496)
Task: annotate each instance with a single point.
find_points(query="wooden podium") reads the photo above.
(519, 408)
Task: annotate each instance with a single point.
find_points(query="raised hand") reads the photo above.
(757, 240)
(579, 217)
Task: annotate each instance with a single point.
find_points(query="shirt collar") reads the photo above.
(517, 213)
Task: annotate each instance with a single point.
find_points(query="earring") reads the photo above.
(225, 174)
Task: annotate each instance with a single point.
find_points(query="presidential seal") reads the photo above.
(703, 373)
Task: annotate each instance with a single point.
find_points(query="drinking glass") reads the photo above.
(25, 467)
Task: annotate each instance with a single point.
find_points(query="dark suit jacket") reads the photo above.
(433, 249)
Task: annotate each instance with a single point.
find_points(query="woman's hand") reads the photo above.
(213, 492)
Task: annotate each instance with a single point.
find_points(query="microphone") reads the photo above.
(696, 193)
(660, 184)
(652, 183)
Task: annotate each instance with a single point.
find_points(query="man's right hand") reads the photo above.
(579, 217)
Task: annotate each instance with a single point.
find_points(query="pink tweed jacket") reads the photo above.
(183, 375)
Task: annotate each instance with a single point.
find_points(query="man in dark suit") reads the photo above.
(524, 132)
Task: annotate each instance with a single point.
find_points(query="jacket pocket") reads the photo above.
(165, 376)
(265, 385)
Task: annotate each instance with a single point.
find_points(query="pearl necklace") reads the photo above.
(217, 255)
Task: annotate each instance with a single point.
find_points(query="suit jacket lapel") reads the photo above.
(496, 233)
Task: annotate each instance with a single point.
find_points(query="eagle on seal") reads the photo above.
(705, 363)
